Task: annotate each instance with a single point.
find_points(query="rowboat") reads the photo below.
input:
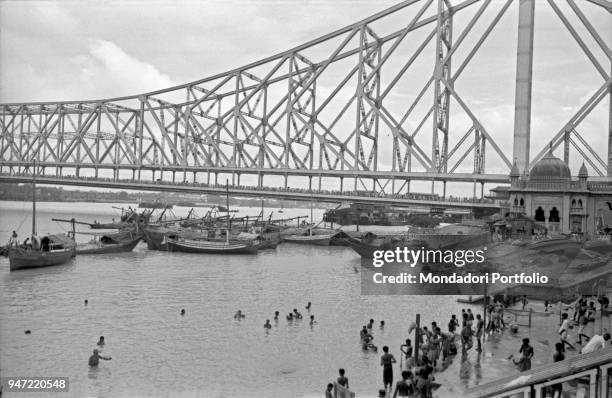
(212, 247)
(111, 243)
(318, 240)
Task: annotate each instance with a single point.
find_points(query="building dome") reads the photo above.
(550, 168)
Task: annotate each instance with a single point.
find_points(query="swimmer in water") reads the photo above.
(308, 306)
(101, 341)
(94, 360)
(382, 324)
(312, 321)
(366, 339)
(86, 302)
(296, 314)
(267, 325)
(290, 317)
(183, 311)
(239, 315)
(371, 324)
(276, 315)
(328, 391)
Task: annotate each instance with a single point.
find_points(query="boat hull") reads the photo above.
(24, 259)
(207, 247)
(122, 247)
(318, 240)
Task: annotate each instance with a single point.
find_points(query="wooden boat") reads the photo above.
(319, 240)
(43, 251)
(23, 258)
(112, 243)
(212, 247)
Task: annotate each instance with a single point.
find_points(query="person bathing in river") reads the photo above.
(267, 325)
(101, 341)
(406, 349)
(386, 361)
(366, 339)
(94, 360)
(525, 362)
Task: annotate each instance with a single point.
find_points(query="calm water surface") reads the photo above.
(135, 300)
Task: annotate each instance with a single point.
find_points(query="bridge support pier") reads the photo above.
(153, 175)
(286, 180)
(238, 178)
(310, 183)
(341, 184)
(320, 183)
(216, 178)
(78, 171)
(407, 186)
(481, 190)
(174, 177)
(474, 191)
(443, 189)
(524, 67)
(260, 180)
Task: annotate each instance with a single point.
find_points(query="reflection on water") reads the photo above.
(135, 299)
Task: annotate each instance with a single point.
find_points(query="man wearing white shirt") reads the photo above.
(596, 343)
(564, 330)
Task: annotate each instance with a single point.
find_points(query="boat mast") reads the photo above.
(227, 208)
(34, 197)
(311, 217)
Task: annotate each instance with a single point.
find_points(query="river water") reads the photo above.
(135, 301)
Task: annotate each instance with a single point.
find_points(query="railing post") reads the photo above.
(530, 312)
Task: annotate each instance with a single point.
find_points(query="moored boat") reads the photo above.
(51, 250)
(319, 240)
(43, 251)
(212, 247)
(112, 243)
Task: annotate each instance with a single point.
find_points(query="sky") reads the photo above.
(77, 50)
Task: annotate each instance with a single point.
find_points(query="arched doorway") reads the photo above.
(553, 216)
(539, 214)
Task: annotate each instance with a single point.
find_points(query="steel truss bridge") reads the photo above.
(280, 117)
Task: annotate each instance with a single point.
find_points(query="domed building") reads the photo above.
(550, 199)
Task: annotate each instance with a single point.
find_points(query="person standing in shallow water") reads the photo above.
(342, 379)
(525, 362)
(94, 360)
(386, 361)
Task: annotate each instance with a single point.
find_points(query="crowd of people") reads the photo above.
(419, 362)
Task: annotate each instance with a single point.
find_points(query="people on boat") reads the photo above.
(267, 325)
(101, 341)
(94, 360)
(14, 239)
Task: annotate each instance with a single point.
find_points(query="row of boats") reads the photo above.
(216, 234)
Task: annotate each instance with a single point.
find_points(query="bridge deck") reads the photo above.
(543, 373)
(279, 193)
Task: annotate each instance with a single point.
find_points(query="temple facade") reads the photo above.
(554, 201)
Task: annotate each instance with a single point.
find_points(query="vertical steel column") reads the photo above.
(441, 111)
(610, 130)
(522, 102)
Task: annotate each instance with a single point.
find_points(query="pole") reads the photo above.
(227, 208)
(484, 311)
(33, 198)
(417, 338)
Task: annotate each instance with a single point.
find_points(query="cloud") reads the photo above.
(113, 64)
